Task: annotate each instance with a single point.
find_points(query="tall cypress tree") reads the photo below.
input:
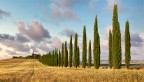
(84, 48)
(110, 49)
(65, 55)
(89, 54)
(78, 56)
(116, 40)
(59, 58)
(53, 58)
(56, 57)
(70, 52)
(96, 47)
(127, 45)
(75, 50)
(62, 59)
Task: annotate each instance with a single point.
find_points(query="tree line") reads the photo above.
(71, 57)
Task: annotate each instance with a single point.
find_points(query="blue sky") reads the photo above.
(64, 17)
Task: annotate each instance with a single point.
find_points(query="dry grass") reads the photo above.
(29, 70)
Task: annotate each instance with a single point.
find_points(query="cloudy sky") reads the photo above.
(42, 25)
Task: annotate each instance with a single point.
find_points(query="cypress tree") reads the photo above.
(78, 56)
(52, 58)
(70, 52)
(59, 58)
(56, 60)
(84, 48)
(65, 55)
(116, 40)
(89, 54)
(96, 47)
(62, 59)
(127, 45)
(110, 49)
(75, 50)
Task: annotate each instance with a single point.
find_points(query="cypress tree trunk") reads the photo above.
(96, 47)
(89, 55)
(66, 55)
(116, 40)
(70, 52)
(75, 50)
(127, 45)
(110, 49)
(84, 49)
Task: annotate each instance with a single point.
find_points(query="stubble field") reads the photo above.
(31, 70)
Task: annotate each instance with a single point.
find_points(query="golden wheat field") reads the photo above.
(31, 70)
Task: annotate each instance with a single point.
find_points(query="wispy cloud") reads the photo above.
(4, 14)
(62, 10)
(68, 33)
(11, 52)
(92, 4)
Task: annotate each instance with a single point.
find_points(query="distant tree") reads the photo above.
(84, 48)
(66, 55)
(59, 58)
(96, 47)
(116, 40)
(110, 49)
(127, 45)
(70, 52)
(75, 50)
(89, 54)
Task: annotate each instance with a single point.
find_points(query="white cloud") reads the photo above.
(2, 56)
(34, 37)
(35, 31)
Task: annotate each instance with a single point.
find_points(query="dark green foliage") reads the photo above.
(84, 48)
(65, 55)
(78, 56)
(50, 59)
(59, 59)
(75, 51)
(116, 40)
(127, 45)
(96, 47)
(70, 52)
(62, 58)
(110, 49)
(89, 54)
(56, 57)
